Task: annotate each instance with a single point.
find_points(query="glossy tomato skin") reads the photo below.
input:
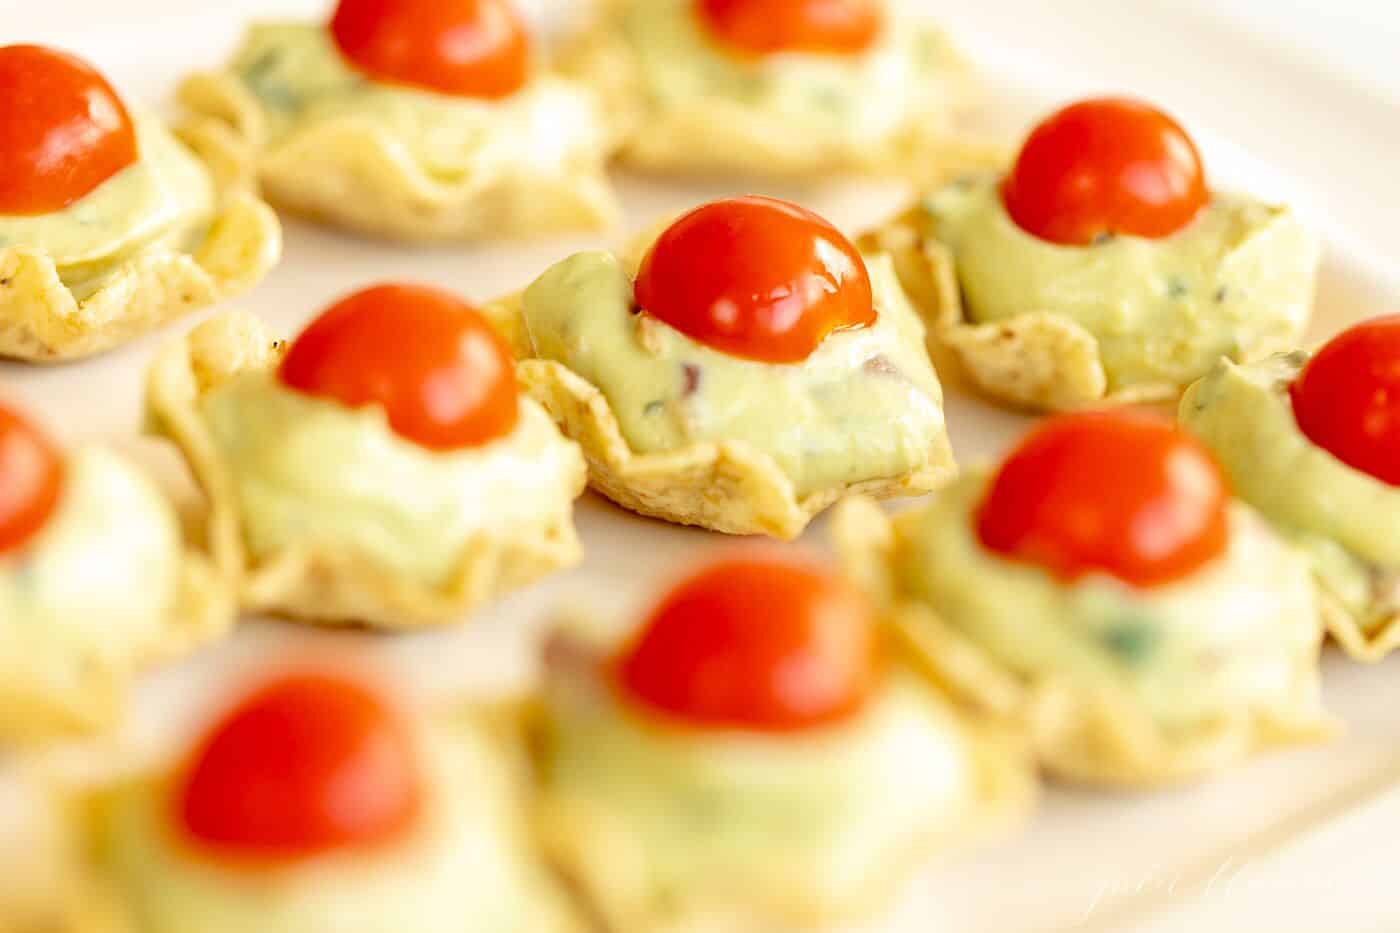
(760, 644)
(31, 480)
(441, 372)
(1103, 167)
(1347, 398)
(465, 48)
(1123, 493)
(63, 130)
(756, 278)
(820, 27)
(307, 765)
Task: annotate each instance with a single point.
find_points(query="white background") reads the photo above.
(1356, 40)
(1296, 98)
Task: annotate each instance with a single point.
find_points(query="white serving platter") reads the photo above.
(1296, 841)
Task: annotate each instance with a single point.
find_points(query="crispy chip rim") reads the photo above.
(1038, 361)
(928, 146)
(1035, 361)
(320, 584)
(43, 321)
(1092, 736)
(1360, 643)
(726, 486)
(572, 832)
(93, 903)
(350, 174)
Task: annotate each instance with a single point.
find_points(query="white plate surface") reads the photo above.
(1295, 840)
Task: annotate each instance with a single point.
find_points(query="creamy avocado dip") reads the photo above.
(716, 809)
(165, 199)
(459, 862)
(860, 99)
(1238, 277)
(298, 75)
(71, 587)
(310, 472)
(1344, 518)
(1239, 634)
(866, 405)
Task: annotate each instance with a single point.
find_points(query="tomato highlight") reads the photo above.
(1104, 167)
(308, 764)
(1123, 493)
(817, 27)
(31, 480)
(756, 278)
(758, 644)
(443, 375)
(465, 48)
(1347, 398)
(63, 130)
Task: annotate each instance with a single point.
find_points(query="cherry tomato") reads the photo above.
(758, 644)
(1347, 399)
(763, 27)
(31, 480)
(1123, 493)
(442, 373)
(467, 48)
(1103, 167)
(63, 130)
(756, 278)
(309, 764)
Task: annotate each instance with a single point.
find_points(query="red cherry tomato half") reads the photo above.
(306, 765)
(467, 48)
(757, 278)
(1347, 399)
(31, 480)
(63, 130)
(1106, 167)
(762, 27)
(762, 644)
(442, 373)
(1123, 493)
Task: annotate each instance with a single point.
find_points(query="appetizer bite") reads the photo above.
(1310, 440)
(774, 87)
(109, 227)
(407, 119)
(382, 469)
(1147, 629)
(752, 371)
(754, 759)
(95, 584)
(1101, 267)
(315, 804)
